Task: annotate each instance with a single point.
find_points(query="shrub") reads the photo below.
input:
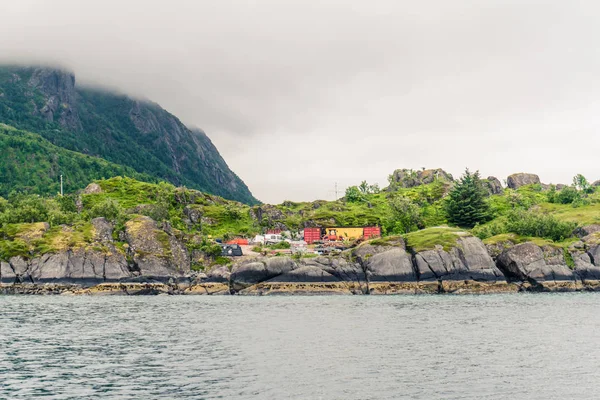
(533, 223)
(213, 250)
(108, 209)
(567, 195)
(354, 195)
(405, 216)
(281, 245)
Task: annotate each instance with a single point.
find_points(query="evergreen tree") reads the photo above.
(466, 204)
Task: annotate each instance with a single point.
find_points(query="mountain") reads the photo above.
(134, 134)
(30, 162)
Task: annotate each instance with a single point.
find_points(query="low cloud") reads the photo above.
(298, 95)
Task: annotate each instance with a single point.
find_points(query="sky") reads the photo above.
(299, 95)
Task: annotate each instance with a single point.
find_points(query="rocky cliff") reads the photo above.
(155, 260)
(128, 132)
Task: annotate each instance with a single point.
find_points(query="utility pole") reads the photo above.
(61, 186)
(336, 191)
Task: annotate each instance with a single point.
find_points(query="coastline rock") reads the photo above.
(469, 260)
(515, 181)
(155, 253)
(528, 262)
(248, 274)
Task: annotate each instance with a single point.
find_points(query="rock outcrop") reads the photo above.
(408, 178)
(515, 181)
(528, 262)
(154, 261)
(493, 185)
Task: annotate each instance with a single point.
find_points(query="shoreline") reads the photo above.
(297, 288)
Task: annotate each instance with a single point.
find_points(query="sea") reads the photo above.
(506, 346)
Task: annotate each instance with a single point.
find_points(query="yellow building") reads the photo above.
(334, 233)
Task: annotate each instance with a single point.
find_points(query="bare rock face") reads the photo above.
(155, 253)
(587, 230)
(7, 274)
(469, 260)
(515, 181)
(528, 262)
(251, 273)
(393, 265)
(59, 87)
(408, 178)
(102, 230)
(493, 185)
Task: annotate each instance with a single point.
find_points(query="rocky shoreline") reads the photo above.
(161, 265)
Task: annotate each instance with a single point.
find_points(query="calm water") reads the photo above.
(413, 347)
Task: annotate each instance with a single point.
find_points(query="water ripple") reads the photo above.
(411, 347)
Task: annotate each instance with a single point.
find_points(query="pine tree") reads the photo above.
(466, 204)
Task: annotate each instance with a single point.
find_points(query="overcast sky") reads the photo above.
(300, 94)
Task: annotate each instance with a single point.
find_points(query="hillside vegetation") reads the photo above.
(418, 213)
(32, 164)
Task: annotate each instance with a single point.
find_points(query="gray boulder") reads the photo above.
(493, 185)
(7, 275)
(515, 181)
(220, 274)
(340, 268)
(251, 273)
(408, 178)
(587, 230)
(393, 265)
(529, 263)
(469, 260)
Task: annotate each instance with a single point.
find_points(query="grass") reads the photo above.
(583, 215)
(428, 239)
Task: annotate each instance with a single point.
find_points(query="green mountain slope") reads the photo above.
(124, 131)
(32, 164)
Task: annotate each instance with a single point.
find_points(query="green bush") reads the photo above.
(354, 195)
(532, 223)
(281, 245)
(108, 209)
(567, 195)
(213, 250)
(404, 216)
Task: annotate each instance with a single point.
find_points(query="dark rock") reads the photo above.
(515, 181)
(220, 274)
(194, 213)
(528, 262)
(469, 260)
(586, 230)
(251, 273)
(392, 265)
(59, 88)
(493, 185)
(7, 275)
(305, 273)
